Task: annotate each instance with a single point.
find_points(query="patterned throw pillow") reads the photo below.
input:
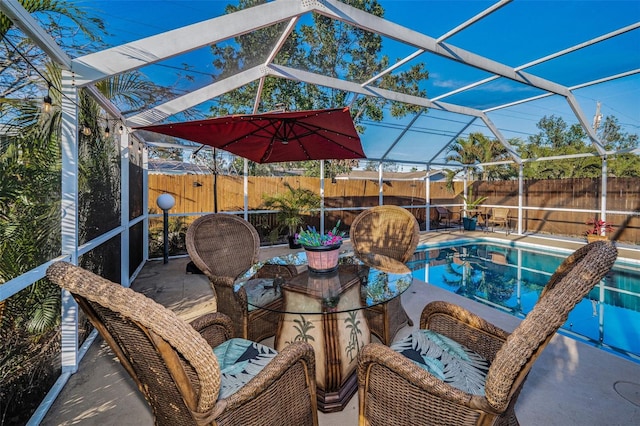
(446, 359)
(240, 360)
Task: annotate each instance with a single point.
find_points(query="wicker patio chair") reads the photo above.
(387, 231)
(224, 246)
(174, 365)
(499, 216)
(481, 387)
(446, 217)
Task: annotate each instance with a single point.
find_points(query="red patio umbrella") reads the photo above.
(275, 136)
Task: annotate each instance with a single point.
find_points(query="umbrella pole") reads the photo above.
(215, 192)
(215, 182)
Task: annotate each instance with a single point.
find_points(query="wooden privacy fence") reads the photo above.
(194, 193)
(541, 198)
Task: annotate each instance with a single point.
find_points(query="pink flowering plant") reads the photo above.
(597, 226)
(312, 238)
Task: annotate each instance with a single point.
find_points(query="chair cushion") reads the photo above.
(240, 360)
(446, 359)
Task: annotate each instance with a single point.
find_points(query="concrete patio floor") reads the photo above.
(570, 384)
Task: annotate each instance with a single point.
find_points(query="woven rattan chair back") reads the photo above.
(172, 364)
(390, 231)
(499, 216)
(222, 244)
(393, 232)
(445, 216)
(571, 282)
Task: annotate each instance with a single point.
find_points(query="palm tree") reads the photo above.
(466, 151)
(291, 206)
(463, 151)
(476, 149)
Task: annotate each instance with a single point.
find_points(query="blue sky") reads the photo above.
(518, 33)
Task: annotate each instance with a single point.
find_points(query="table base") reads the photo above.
(331, 319)
(331, 402)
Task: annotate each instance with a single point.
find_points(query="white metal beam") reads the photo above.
(605, 79)
(439, 40)
(145, 202)
(572, 88)
(197, 97)
(580, 46)
(104, 102)
(394, 66)
(361, 19)
(336, 83)
(520, 198)
(125, 153)
(560, 157)
(281, 41)
(512, 152)
(545, 59)
(472, 20)
(575, 106)
(603, 193)
(69, 216)
(380, 185)
(23, 20)
(201, 95)
(130, 56)
(256, 101)
(402, 133)
(461, 131)
(421, 163)
(283, 38)
(465, 88)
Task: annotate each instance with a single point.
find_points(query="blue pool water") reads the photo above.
(511, 278)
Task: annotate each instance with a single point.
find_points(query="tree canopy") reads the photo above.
(555, 138)
(329, 47)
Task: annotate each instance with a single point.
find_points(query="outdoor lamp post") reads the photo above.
(165, 202)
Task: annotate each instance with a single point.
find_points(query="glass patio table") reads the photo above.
(326, 310)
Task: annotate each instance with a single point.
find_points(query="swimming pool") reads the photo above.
(510, 278)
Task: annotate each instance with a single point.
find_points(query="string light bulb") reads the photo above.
(121, 129)
(46, 103)
(107, 132)
(86, 130)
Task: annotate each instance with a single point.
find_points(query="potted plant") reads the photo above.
(598, 231)
(322, 249)
(471, 206)
(291, 206)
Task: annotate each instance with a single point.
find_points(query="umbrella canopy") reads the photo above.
(275, 136)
